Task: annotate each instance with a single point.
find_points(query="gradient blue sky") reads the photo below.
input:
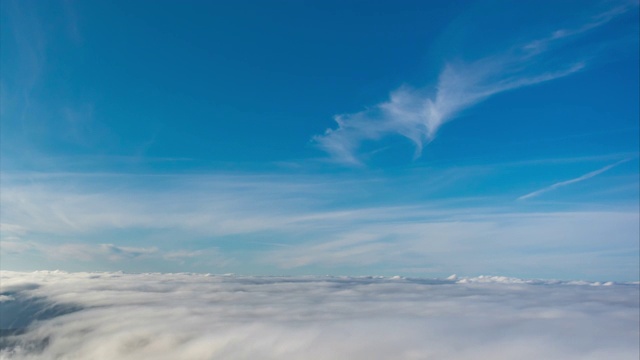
(419, 138)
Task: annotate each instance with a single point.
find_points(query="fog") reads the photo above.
(58, 315)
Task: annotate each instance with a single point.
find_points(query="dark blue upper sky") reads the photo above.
(315, 136)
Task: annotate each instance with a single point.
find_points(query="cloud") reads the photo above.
(524, 243)
(180, 316)
(571, 181)
(298, 224)
(122, 252)
(216, 205)
(418, 113)
(87, 252)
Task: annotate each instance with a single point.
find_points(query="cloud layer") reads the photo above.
(182, 316)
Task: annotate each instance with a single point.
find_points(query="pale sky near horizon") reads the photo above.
(414, 138)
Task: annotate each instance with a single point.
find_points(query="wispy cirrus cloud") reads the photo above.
(418, 113)
(560, 184)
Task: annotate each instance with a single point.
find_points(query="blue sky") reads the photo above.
(321, 137)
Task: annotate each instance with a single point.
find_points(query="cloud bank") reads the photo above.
(418, 113)
(187, 316)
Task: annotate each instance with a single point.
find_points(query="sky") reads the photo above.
(412, 138)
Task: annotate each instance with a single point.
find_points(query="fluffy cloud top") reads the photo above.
(186, 316)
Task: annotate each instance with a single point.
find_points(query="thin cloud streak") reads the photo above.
(418, 114)
(571, 181)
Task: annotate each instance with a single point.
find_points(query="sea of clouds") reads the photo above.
(59, 315)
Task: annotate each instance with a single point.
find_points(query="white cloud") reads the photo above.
(180, 316)
(418, 114)
(571, 181)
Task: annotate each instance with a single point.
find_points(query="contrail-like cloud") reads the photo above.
(418, 113)
(571, 181)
